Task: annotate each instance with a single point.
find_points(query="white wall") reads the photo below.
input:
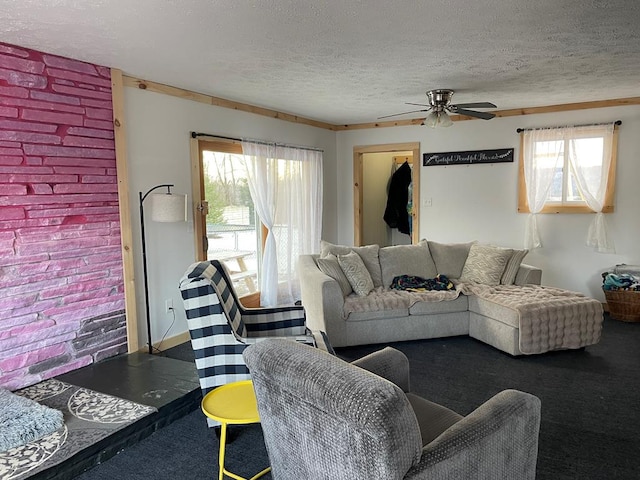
(479, 202)
(158, 133)
(476, 202)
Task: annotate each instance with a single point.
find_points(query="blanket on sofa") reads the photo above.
(384, 299)
(549, 318)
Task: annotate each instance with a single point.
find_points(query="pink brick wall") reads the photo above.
(61, 285)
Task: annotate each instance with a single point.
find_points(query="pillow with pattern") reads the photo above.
(368, 253)
(485, 264)
(357, 274)
(513, 265)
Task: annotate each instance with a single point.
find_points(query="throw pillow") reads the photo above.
(485, 264)
(511, 270)
(368, 253)
(357, 274)
(406, 260)
(450, 257)
(330, 266)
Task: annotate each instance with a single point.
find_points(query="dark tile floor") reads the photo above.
(167, 381)
(155, 380)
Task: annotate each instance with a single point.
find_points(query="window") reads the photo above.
(259, 207)
(230, 230)
(567, 169)
(286, 186)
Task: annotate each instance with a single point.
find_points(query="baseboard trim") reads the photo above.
(169, 342)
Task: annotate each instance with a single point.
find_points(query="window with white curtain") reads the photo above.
(261, 207)
(568, 170)
(286, 187)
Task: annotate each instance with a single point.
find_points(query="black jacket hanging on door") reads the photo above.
(396, 214)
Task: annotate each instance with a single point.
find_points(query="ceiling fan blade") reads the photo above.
(404, 113)
(476, 105)
(473, 113)
(420, 104)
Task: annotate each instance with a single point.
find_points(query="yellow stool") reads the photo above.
(232, 404)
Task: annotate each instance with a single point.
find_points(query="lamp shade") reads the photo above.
(437, 119)
(168, 207)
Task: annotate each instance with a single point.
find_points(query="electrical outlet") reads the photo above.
(428, 202)
(168, 305)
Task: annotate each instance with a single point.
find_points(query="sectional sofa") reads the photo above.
(494, 298)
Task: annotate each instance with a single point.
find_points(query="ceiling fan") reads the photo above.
(440, 104)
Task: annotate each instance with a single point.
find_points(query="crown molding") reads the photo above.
(287, 117)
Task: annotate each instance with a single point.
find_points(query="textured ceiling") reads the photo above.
(349, 61)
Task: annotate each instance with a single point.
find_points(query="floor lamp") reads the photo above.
(165, 207)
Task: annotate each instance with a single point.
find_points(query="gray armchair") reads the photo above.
(324, 418)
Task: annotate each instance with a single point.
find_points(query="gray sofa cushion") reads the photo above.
(507, 315)
(406, 260)
(460, 304)
(368, 253)
(330, 266)
(385, 300)
(377, 315)
(450, 257)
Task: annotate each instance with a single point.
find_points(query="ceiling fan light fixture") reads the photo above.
(437, 119)
(440, 106)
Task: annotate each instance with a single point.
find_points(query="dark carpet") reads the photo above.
(590, 409)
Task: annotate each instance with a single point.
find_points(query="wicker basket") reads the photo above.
(624, 304)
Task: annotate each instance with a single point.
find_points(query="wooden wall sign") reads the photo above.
(468, 157)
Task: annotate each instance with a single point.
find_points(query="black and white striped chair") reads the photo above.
(221, 327)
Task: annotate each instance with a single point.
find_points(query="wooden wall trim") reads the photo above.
(287, 117)
(386, 147)
(168, 343)
(415, 178)
(618, 102)
(197, 190)
(503, 113)
(117, 99)
(523, 202)
(358, 162)
(609, 199)
(221, 102)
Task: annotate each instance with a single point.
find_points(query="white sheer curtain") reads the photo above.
(542, 149)
(286, 188)
(261, 163)
(591, 176)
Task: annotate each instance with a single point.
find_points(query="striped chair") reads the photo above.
(221, 327)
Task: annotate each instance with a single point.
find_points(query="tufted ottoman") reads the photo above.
(530, 319)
